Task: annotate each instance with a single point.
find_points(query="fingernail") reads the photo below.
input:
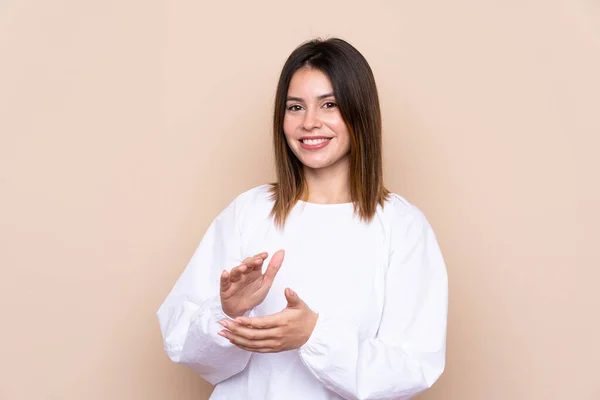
(238, 321)
(223, 323)
(222, 333)
(292, 292)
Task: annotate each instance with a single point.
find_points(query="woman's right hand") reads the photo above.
(246, 286)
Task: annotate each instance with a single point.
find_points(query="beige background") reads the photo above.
(126, 126)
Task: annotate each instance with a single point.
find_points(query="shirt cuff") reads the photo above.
(328, 337)
(326, 348)
(315, 337)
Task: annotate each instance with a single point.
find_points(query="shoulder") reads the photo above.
(248, 202)
(259, 196)
(401, 217)
(247, 208)
(253, 206)
(398, 209)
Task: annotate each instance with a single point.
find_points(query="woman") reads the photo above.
(353, 302)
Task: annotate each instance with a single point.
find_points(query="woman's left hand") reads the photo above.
(286, 330)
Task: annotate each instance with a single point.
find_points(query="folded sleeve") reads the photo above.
(408, 353)
(189, 315)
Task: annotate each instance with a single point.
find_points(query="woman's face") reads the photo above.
(313, 125)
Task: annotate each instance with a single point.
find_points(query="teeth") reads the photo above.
(313, 141)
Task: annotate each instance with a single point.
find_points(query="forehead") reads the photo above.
(309, 82)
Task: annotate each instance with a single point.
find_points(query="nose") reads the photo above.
(311, 120)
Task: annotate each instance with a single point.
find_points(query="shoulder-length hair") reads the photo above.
(356, 95)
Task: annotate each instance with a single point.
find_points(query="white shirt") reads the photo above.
(380, 290)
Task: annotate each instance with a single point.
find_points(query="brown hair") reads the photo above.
(356, 95)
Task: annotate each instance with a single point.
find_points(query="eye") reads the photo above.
(330, 104)
(294, 107)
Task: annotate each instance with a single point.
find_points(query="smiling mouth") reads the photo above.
(313, 142)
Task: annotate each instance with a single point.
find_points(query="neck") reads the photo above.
(328, 185)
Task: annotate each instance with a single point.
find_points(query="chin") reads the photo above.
(320, 161)
(316, 164)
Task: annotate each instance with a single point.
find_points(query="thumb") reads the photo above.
(292, 298)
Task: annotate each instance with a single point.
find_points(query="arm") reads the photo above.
(408, 354)
(189, 316)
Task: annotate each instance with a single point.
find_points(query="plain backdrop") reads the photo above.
(126, 126)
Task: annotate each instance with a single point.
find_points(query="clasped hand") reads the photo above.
(246, 287)
(285, 330)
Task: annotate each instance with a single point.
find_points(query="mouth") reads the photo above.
(314, 140)
(314, 143)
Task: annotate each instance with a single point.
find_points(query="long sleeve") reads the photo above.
(408, 353)
(189, 316)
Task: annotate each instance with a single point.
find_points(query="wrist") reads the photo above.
(311, 324)
(233, 314)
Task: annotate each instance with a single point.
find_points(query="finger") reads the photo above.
(261, 255)
(266, 322)
(274, 266)
(250, 344)
(255, 262)
(260, 259)
(225, 283)
(236, 273)
(293, 301)
(251, 333)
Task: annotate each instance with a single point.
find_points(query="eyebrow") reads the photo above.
(321, 97)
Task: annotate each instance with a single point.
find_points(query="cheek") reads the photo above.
(340, 128)
(288, 127)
